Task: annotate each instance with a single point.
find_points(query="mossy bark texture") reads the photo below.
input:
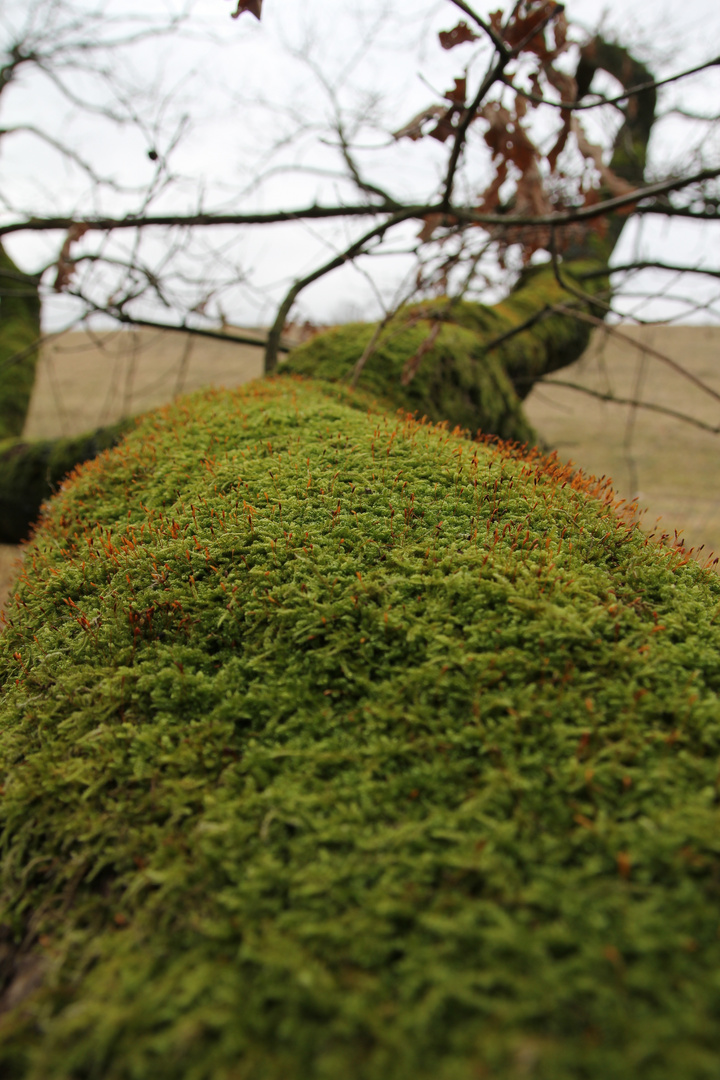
(19, 340)
(464, 378)
(31, 471)
(335, 745)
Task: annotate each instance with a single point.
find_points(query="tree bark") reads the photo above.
(30, 472)
(19, 341)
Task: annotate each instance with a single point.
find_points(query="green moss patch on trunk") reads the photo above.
(335, 745)
(31, 471)
(463, 377)
(19, 340)
(455, 380)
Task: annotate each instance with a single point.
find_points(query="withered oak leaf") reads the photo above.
(253, 6)
(457, 36)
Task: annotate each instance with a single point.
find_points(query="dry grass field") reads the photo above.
(85, 381)
(671, 466)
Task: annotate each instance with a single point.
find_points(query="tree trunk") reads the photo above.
(19, 341)
(31, 471)
(478, 379)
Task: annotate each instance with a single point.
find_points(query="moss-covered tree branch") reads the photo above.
(476, 371)
(31, 471)
(19, 339)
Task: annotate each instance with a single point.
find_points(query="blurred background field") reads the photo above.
(670, 465)
(85, 381)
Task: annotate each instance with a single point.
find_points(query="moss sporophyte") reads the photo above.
(334, 744)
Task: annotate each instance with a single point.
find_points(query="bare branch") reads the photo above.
(587, 275)
(585, 316)
(500, 45)
(362, 184)
(505, 55)
(141, 221)
(67, 152)
(230, 336)
(668, 210)
(490, 79)
(600, 209)
(688, 115)
(417, 210)
(355, 249)
(587, 299)
(634, 402)
(576, 106)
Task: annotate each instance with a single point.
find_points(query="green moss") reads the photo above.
(31, 471)
(556, 340)
(456, 381)
(332, 745)
(464, 378)
(19, 337)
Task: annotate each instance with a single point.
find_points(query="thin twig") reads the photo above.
(403, 211)
(646, 265)
(585, 316)
(500, 45)
(551, 381)
(576, 106)
(355, 249)
(183, 328)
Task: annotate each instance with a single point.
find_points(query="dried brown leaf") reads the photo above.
(531, 199)
(66, 265)
(457, 36)
(444, 127)
(431, 222)
(535, 89)
(561, 140)
(527, 26)
(458, 93)
(496, 18)
(490, 198)
(564, 84)
(253, 6)
(506, 137)
(560, 29)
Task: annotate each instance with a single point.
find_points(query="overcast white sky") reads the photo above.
(246, 85)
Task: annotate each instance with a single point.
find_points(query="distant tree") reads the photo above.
(528, 198)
